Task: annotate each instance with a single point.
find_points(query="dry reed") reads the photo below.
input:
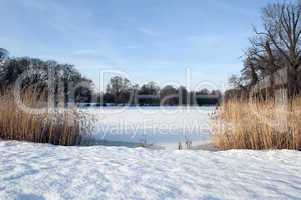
(258, 125)
(58, 127)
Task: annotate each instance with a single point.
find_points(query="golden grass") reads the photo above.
(60, 127)
(258, 125)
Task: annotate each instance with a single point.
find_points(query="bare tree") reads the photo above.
(120, 88)
(282, 30)
(237, 82)
(262, 60)
(3, 55)
(250, 71)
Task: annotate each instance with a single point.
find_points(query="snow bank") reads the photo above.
(34, 171)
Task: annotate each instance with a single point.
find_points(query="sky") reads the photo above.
(180, 42)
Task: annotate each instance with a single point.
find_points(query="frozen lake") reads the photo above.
(160, 126)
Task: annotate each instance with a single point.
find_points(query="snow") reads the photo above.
(37, 171)
(164, 126)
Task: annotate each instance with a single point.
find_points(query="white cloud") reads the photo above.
(40, 5)
(147, 31)
(130, 47)
(86, 52)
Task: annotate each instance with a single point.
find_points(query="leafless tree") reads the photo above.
(3, 55)
(282, 32)
(237, 82)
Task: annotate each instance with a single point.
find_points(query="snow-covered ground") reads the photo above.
(36, 171)
(164, 126)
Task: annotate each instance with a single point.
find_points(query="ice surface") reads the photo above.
(165, 126)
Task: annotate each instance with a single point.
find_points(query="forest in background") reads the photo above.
(67, 85)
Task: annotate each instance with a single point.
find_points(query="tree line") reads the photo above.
(63, 83)
(47, 79)
(120, 91)
(276, 46)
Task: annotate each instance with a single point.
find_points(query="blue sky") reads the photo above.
(147, 39)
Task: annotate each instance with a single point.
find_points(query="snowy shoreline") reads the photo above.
(41, 171)
(33, 171)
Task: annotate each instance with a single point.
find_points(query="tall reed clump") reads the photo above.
(59, 127)
(258, 125)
